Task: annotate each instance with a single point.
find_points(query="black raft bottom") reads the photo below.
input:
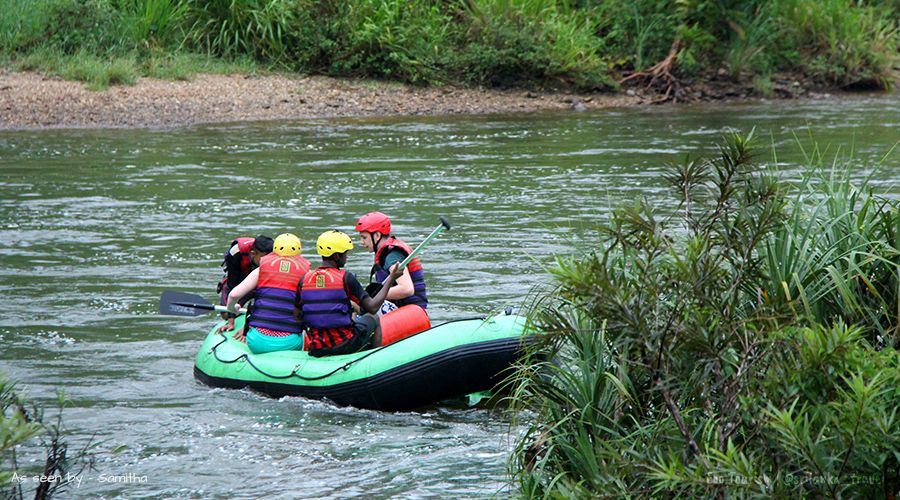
(444, 375)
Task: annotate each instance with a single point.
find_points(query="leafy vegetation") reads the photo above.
(22, 422)
(586, 44)
(742, 344)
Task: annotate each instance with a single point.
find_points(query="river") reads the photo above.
(96, 223)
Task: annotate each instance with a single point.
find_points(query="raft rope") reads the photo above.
(346, 366)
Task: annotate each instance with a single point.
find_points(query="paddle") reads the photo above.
(373, 288)
(187, 304)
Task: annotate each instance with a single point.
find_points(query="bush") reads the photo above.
(676, 371)
(534, 42)
(65, 25)
(390, 39)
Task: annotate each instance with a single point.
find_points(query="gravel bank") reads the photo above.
(32, 100)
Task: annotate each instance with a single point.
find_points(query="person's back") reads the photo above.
(325, 298)
(271, 324)
(239, 261)
(273, 308)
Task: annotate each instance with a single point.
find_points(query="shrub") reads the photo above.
(516, 41)
(21, 423)
(673, 371)
(391, 39)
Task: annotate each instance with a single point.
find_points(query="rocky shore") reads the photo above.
(32, 100)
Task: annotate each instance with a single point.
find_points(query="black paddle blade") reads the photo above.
(183, 304)
(445, 222)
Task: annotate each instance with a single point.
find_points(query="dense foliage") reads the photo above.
(743, 343)
(587, 44)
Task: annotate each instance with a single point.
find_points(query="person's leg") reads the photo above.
(260, 343)
(369, 325)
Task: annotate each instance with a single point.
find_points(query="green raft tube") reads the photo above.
(445, 362)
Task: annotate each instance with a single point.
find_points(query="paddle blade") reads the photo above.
(445, 222)
(183, 304)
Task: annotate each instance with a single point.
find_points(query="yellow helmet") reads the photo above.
(332, 242)
(287, 245)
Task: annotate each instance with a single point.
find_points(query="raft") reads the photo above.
(445, 362)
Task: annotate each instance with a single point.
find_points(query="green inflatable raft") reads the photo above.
(445, 362)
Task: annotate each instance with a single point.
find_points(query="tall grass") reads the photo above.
(838, 257)
(841, 45)
(234, 27)
(154, 23)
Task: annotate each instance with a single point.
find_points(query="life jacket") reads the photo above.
(416, 272)
(242, 258)
(236, 266)
(325, 300)
(276, 291)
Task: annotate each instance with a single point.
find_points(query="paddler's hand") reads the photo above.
(227, 327)
(234, 306)
(395, 272)
(240, 336)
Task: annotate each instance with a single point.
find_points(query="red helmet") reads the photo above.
(374, 222)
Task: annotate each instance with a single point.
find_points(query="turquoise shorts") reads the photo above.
(260, 343)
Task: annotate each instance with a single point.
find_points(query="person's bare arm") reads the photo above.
(372, 304)
(403, 288)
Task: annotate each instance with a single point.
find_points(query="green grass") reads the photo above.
(100, 73)
(184, 66)
(97, 73)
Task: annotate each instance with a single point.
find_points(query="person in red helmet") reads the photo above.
(375, 235)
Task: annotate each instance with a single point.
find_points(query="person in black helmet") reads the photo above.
(240, 259)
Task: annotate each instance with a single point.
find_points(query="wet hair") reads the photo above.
(263, 244)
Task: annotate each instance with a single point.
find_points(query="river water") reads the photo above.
(97, 223)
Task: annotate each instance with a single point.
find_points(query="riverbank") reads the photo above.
(31, 100)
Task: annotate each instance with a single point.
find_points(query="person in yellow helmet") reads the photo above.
(325, 300)
(272, 325)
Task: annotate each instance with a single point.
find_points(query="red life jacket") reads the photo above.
(416, 272)
(276, 292)
(236, 266)
(244, 245)
(285, 273)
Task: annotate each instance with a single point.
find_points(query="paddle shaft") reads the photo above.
(208, 307)
(412, 255)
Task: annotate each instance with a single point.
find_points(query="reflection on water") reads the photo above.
(97, 223)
